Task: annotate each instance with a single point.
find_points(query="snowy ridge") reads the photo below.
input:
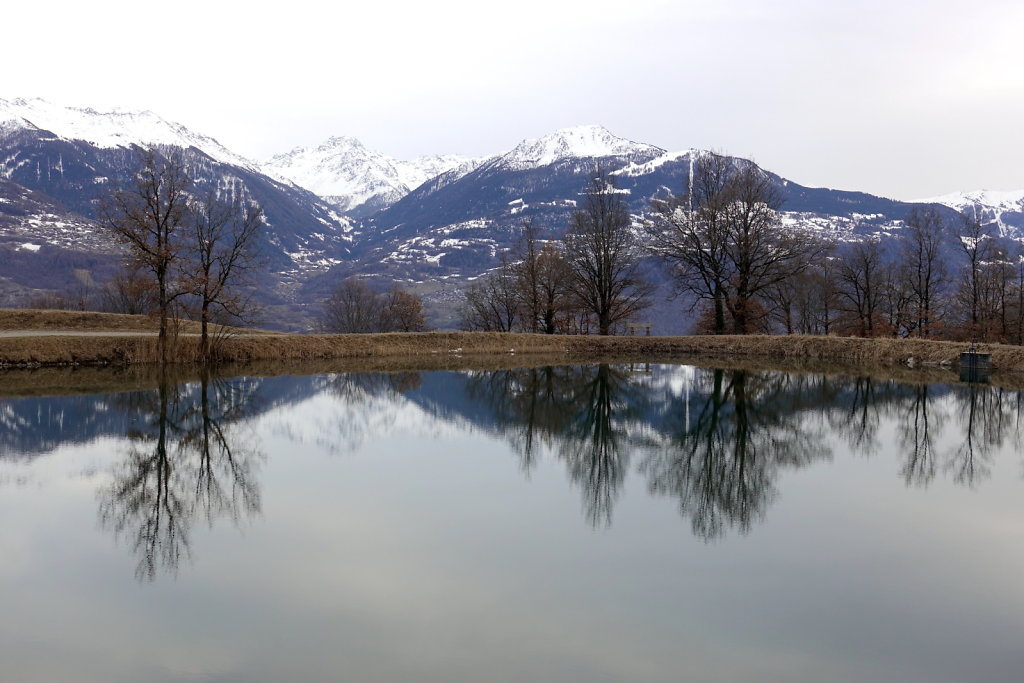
(118, 128)
(580, 142)
(1004, 209)
(418, 171)
(352, 175)
(1012, 200)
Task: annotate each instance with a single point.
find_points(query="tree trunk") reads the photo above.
(204, 324)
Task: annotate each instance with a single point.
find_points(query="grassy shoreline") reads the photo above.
(119, 349)
(452, 349)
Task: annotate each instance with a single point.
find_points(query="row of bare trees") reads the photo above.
(592, 281)
(732, 255)
(186, 249)
(743, 269)
(956, 281)
(728, 250)
(529, 292)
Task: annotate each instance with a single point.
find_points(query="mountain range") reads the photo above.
(341, 208)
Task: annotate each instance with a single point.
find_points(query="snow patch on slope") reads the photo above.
(646, 168)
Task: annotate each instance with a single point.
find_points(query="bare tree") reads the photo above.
(860, 274)
(689, 232)
(403, 311)
(148, 217)
(725, 242)
(556, 299)
(926, 270)
(542, 276)
(224, 252)
(129, 291)
(976, 243)
(353, 307)
(604, 255)
(897, 299)
(806, 302)
(527, 272)
(761, 251)
(356, 307)
(493, 303)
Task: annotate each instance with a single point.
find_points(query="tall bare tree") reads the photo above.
(689, 232)
(604, 254)
(543, 282)
(224, 251)
(725, 241)
(925, 267)
(148, 218)
(860, 277)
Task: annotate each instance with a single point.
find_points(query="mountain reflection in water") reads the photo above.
(714, 441)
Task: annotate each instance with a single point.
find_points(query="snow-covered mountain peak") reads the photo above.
(340, 142)
(588, 141)
(352, 175)
(116, 128)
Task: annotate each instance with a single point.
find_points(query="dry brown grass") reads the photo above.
(454, 349)
(91, 321)
(84, 321)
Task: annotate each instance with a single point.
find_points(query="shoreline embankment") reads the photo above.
(118, 349)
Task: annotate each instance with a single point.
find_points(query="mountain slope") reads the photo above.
(462, 224)
(54, 179)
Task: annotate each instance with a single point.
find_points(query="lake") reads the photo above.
(578, 523)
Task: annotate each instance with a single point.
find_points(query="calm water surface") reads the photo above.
(604, 523)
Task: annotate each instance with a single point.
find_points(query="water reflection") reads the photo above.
(184, 463)
(917, 436)
(583, 413)
(716, 442)
(719, 445)
(721, 463)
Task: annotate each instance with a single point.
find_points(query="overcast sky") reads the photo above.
(900, 98)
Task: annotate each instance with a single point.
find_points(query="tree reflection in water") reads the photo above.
(987, 416)
(582, 413)
(917, 430)
(927, 443)
(719, 448)
(721, 464)
(185, 463)
(595, 445)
